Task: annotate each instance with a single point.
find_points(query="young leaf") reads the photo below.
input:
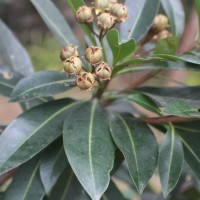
(170, 161)
(138, 145)
(31, 132)
(181, 108)
(53, 163)
(144, 101)
(74, 6)
(89, 147)
(55, 21)
(13, 53)
(119, 50)
(167, 46)
(26, 184)
(141, 16)
(41, 84)
(174, 10)
(189, 133)
(8, 80)
(67, 187)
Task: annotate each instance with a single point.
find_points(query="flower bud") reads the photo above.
(119, 11)
(162, 35)
(112, 1)
(84, 14)
(73, 65)
(94, 55)
(103, 71)
(105, 21)
(100, 5)
(160, 23)
(67, 52)
(85, 81)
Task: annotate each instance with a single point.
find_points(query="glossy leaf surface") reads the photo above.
(31, 132)
(167, 46)
(89, 147)
(181, 108)
(53, 163)
(67, 187)
(55, 21)
(119, 50)
(175, 12)
(41, 84)
(141, 16)
(170, 161)
(13, 53)
(144, 101)
(190, 136)
(26, 184)
(138, 145)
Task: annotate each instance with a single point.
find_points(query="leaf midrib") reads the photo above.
(43, 124)
(133, 148)
(90, 142)
(44, 85)
(31, 180)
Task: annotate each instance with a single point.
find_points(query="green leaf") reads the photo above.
(55, 21)
(181, 108)
(67, 187)
(175, 11)
(136, 62)
(26, 184)
(89, 147)
(165, 95)
(74, 6)
(41, 84)
(53, 163)
(189, 133)
(8, 80)
(13, 53)
(197, 6)
(170, 161)
(141, 16)
(31, 132)
(144, 101)
(167, 46)
(119, 50)
(138, 145)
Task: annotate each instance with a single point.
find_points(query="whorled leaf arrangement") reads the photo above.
(83, 149)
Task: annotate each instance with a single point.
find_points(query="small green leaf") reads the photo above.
(26, 184)
(53, 163)
(175, 11)
(141, 16)
(181, 108)
(67, 187)
(89, 148)
(8, 80)
(13, 53)
(74, 6)
(144, 101)
(167, 46)
(55, 21)
(41, 84)
(170, 161)
(31, 132)
(138, 145)
(189, 133)
(119, 50)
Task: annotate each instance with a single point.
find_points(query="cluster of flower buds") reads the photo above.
(73, 65)
(106, 12)
(159, 27)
